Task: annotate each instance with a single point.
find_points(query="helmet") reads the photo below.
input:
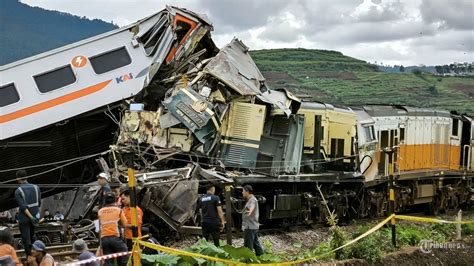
(104, 176)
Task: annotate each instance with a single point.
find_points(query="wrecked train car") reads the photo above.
(299, 156)
(60, 109)
(190, 114)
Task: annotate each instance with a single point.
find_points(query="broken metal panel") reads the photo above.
(281, 146)
(168, 120)
(194, 112)
(164, 175)
(174, 10)
(180, 138)
(176, 200)
(139, 127)
(213, 176)
(151, 35)
(234, 67)
(282, 99)
(241, 135)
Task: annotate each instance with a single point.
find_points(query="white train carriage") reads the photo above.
(56, 85)
(432, 142)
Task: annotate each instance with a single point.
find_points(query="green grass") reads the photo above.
(332, 77)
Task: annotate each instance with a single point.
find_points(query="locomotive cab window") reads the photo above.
(55, 79)
(455, 129)
(110, 60)
(369, 133)
(402, 134)
(8, 95)
(183, 27)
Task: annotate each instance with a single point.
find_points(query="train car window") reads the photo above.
(369, 133)
(55, 79)
(455, 129)
(8, 95)
(110, 60)
(402, 134)
(183, 27)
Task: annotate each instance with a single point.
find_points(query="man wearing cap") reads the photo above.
(125, 195)
(28, 198)
(250, 221)
(39, 256)
(109, 218)
(212, 215)
(80, 247)
(103, 179)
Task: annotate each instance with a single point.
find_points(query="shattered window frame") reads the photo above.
(104, 62)
(8, 95)
(55, 79)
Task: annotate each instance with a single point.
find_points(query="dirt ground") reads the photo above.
(294, 242)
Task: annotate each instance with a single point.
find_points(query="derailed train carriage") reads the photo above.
(158, 95)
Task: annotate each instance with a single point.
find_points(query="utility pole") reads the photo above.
(391, 183)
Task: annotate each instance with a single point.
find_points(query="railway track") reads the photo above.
(62, 253)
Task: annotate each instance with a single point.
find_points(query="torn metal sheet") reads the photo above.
(176, 200)
(184, 172)
(168, 120)
(180, 138)
(194, 112)
(139, 127)
(163, 38)
(234, 67)
(282, 99)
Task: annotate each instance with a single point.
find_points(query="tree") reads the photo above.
(416, 72)
(446, 69)
(402, 68)
(439, 69)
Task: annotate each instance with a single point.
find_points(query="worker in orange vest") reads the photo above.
(125, 195)
(110, 216)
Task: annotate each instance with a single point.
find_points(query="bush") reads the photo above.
(416, 72)
(432, 89)
(447, 230)
(467, 229)
(368, 248)
(321, 249)
(410, 235)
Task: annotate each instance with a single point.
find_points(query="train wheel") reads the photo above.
(373, 212)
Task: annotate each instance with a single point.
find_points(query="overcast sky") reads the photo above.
(408, 32)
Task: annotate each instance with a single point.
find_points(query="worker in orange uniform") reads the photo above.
(125, 195)
(109, 218)
(7, 252)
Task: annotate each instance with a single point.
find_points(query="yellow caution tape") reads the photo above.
(429, 220)
(369, 232)
(229, 262)
(185, 253)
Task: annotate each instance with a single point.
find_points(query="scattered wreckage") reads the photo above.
(160, 97)
(210, 117)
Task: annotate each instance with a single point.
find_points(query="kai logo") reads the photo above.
(123, 78)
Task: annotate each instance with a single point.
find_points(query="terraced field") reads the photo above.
(330, 76)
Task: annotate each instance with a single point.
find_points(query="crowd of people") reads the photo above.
(114, 223)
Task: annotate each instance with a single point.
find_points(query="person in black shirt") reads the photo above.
(211, 214)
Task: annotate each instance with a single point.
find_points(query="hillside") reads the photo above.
(27, 30)
(330, 76)
(327, 76)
